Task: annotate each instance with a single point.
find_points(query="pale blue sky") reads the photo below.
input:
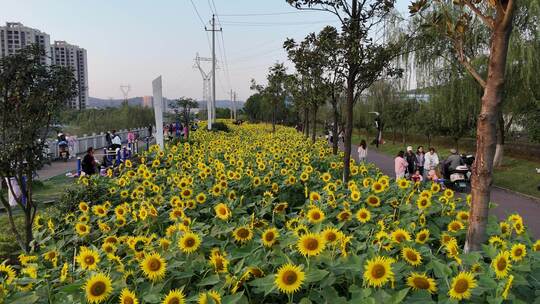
(134, 41)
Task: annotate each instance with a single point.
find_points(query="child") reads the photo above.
(417, 177)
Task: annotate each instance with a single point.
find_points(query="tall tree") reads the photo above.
(30, 94)
(365, 60)
(274, 91)
(453, 20)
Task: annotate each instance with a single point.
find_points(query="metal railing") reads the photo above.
(79, 145)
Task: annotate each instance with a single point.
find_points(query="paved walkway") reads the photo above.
(508, 202)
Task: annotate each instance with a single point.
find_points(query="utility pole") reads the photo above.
(213, 30)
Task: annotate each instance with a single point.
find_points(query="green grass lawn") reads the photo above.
(44, 192)
(515, 174)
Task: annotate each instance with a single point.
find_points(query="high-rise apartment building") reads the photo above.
(68, 55)
(14, 36)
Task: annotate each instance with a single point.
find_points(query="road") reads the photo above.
(508, 202)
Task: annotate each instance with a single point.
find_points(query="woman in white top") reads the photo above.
(431, 160)
(362, 151)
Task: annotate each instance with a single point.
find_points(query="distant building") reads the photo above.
(68, 55)
(148, 101)
(14, 36)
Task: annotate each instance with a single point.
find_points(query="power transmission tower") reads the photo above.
(231, 105)
(213, 30)
(234, 107)
(125, 91)
(206, 87)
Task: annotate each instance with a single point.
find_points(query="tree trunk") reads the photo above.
(335, 142)
(499, 149)
(274, 120)
(314, 122)
(486, 132)
(394, 136)
(306, 121)
(348, 130)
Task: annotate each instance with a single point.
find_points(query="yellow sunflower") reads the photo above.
(219, 262)
(88, 258)
(518, 251)
(536, 245)
(403, 183)
(377, 187)
(174, 296)
(455, 226)
(189, 242)
(315, 215)
(128, 297)
(462, 284)
(82, 229)
(222, 211)
(501, 264)
(330, 234)
(373, 201)
(7, 273)
(154, 266)
(355, 196)
(411, 256)
(314, 196)
(270, 236)
(289, 278)
(205, 296)
(310, 244)
(422, 236)
(420, 281)
(243, 234)
(423, 202)
(98, 288)
(363, 215)
(507, 287)
(378, 271)
(400, 235)
(344, 215)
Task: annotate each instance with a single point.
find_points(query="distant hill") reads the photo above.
(100, 103)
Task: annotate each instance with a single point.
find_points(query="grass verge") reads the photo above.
(515, 174)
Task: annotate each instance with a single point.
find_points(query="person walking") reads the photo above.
(400, 165)
(131, 137)
(89, 162)
(431, 161)
(108, 139)
(420, 160)
(362, 151)
(410, 157)
(116, 141)
(149, 130)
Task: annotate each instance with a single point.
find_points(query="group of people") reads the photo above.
(113, 140)
(178, 129)
(417, 166)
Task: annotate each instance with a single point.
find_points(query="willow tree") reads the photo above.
(365, 59)
(453, 21)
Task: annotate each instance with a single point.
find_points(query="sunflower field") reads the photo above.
(251, 216)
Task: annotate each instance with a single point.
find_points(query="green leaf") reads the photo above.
(399, 296)
(151, 298)
(211, 280)
(232, 299)
(315, 275)
(441, 270)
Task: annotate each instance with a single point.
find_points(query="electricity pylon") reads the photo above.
(206, 87)
(125, 91)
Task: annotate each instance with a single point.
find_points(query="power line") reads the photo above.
(202, 22)
(263, 14)
(242, 23)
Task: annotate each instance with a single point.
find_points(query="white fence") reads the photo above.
(79, 145)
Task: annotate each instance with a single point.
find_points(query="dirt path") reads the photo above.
(508, 202)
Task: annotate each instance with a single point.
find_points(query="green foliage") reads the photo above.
(30, 93)
(89, 121)
(220, 126)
